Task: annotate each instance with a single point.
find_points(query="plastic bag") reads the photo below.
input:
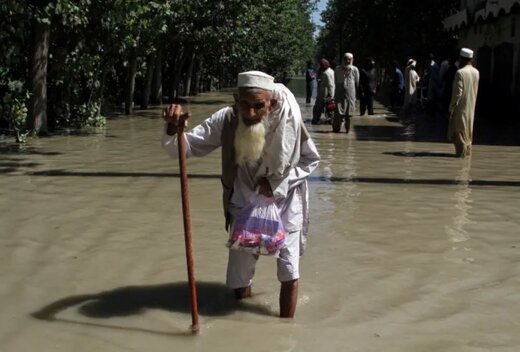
(258, 230)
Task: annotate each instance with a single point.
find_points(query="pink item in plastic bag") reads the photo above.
(259, 229)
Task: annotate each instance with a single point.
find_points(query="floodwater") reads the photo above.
(410, 249)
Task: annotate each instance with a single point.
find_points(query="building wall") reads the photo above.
(496, 44)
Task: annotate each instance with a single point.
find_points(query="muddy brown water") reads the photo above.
(410, 249)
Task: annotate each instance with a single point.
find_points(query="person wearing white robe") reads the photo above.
(278, 167)
(462, 105)
(411, 79)
(347, 84)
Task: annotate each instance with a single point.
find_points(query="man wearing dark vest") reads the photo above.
(265, 150)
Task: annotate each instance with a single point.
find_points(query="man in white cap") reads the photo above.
(411, 78)
(265, 150)
(462, 105)
(347, 83)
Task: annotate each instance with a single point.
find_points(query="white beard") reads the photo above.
(249, 141)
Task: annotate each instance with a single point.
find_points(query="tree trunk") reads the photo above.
(130, 81)
(179, 65)
(198, 74)
(145, 98)
(175, 75)
(189, 73)
(157, 93)
(37, 121)
(104, 75)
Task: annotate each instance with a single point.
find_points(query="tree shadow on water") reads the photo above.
(211, 102)
(322, 132)
(10, 165)
(422, 154)
(392, 118)
(17, 149)
(214, 299)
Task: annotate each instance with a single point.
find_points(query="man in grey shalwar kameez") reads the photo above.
(346, 77)
(265, 150)
(462, 106)
(325, 90)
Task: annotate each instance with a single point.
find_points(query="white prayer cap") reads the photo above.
(466, 53)
(349, 56)
(255, 79)
(411, 62)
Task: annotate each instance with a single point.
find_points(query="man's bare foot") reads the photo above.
(242, 292)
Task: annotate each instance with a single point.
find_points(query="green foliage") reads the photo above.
(14, 38)
(283, 36)
(91, 42)
(86, 115)
(13, 109)
(80, 116)
(385, 29)
(234, 35)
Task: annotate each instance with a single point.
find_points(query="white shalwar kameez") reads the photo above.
(286, 162)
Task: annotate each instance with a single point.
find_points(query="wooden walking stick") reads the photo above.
(187, 222)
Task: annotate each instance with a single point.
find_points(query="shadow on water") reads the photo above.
(383, 133)
(118, 174)
(210, 102)
(422, 154)
(214, 299)
(392, 119)
(382, 180)
(322, 132)
(497, 130)
(416, 181)
(17, 163)
(7, 170)
(15, 149)
(502, 131)
(11, 165)
(405, 132)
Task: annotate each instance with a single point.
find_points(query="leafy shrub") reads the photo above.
(86, 115)
(13, 109)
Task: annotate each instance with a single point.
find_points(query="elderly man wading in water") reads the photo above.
(265, 150)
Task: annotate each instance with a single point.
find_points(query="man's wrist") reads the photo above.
(171, 129)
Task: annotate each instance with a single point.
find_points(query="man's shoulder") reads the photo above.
(283, 95)
(281, 90)
(467, 70)
(474, 69)
(222, 115)
(223, 112)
